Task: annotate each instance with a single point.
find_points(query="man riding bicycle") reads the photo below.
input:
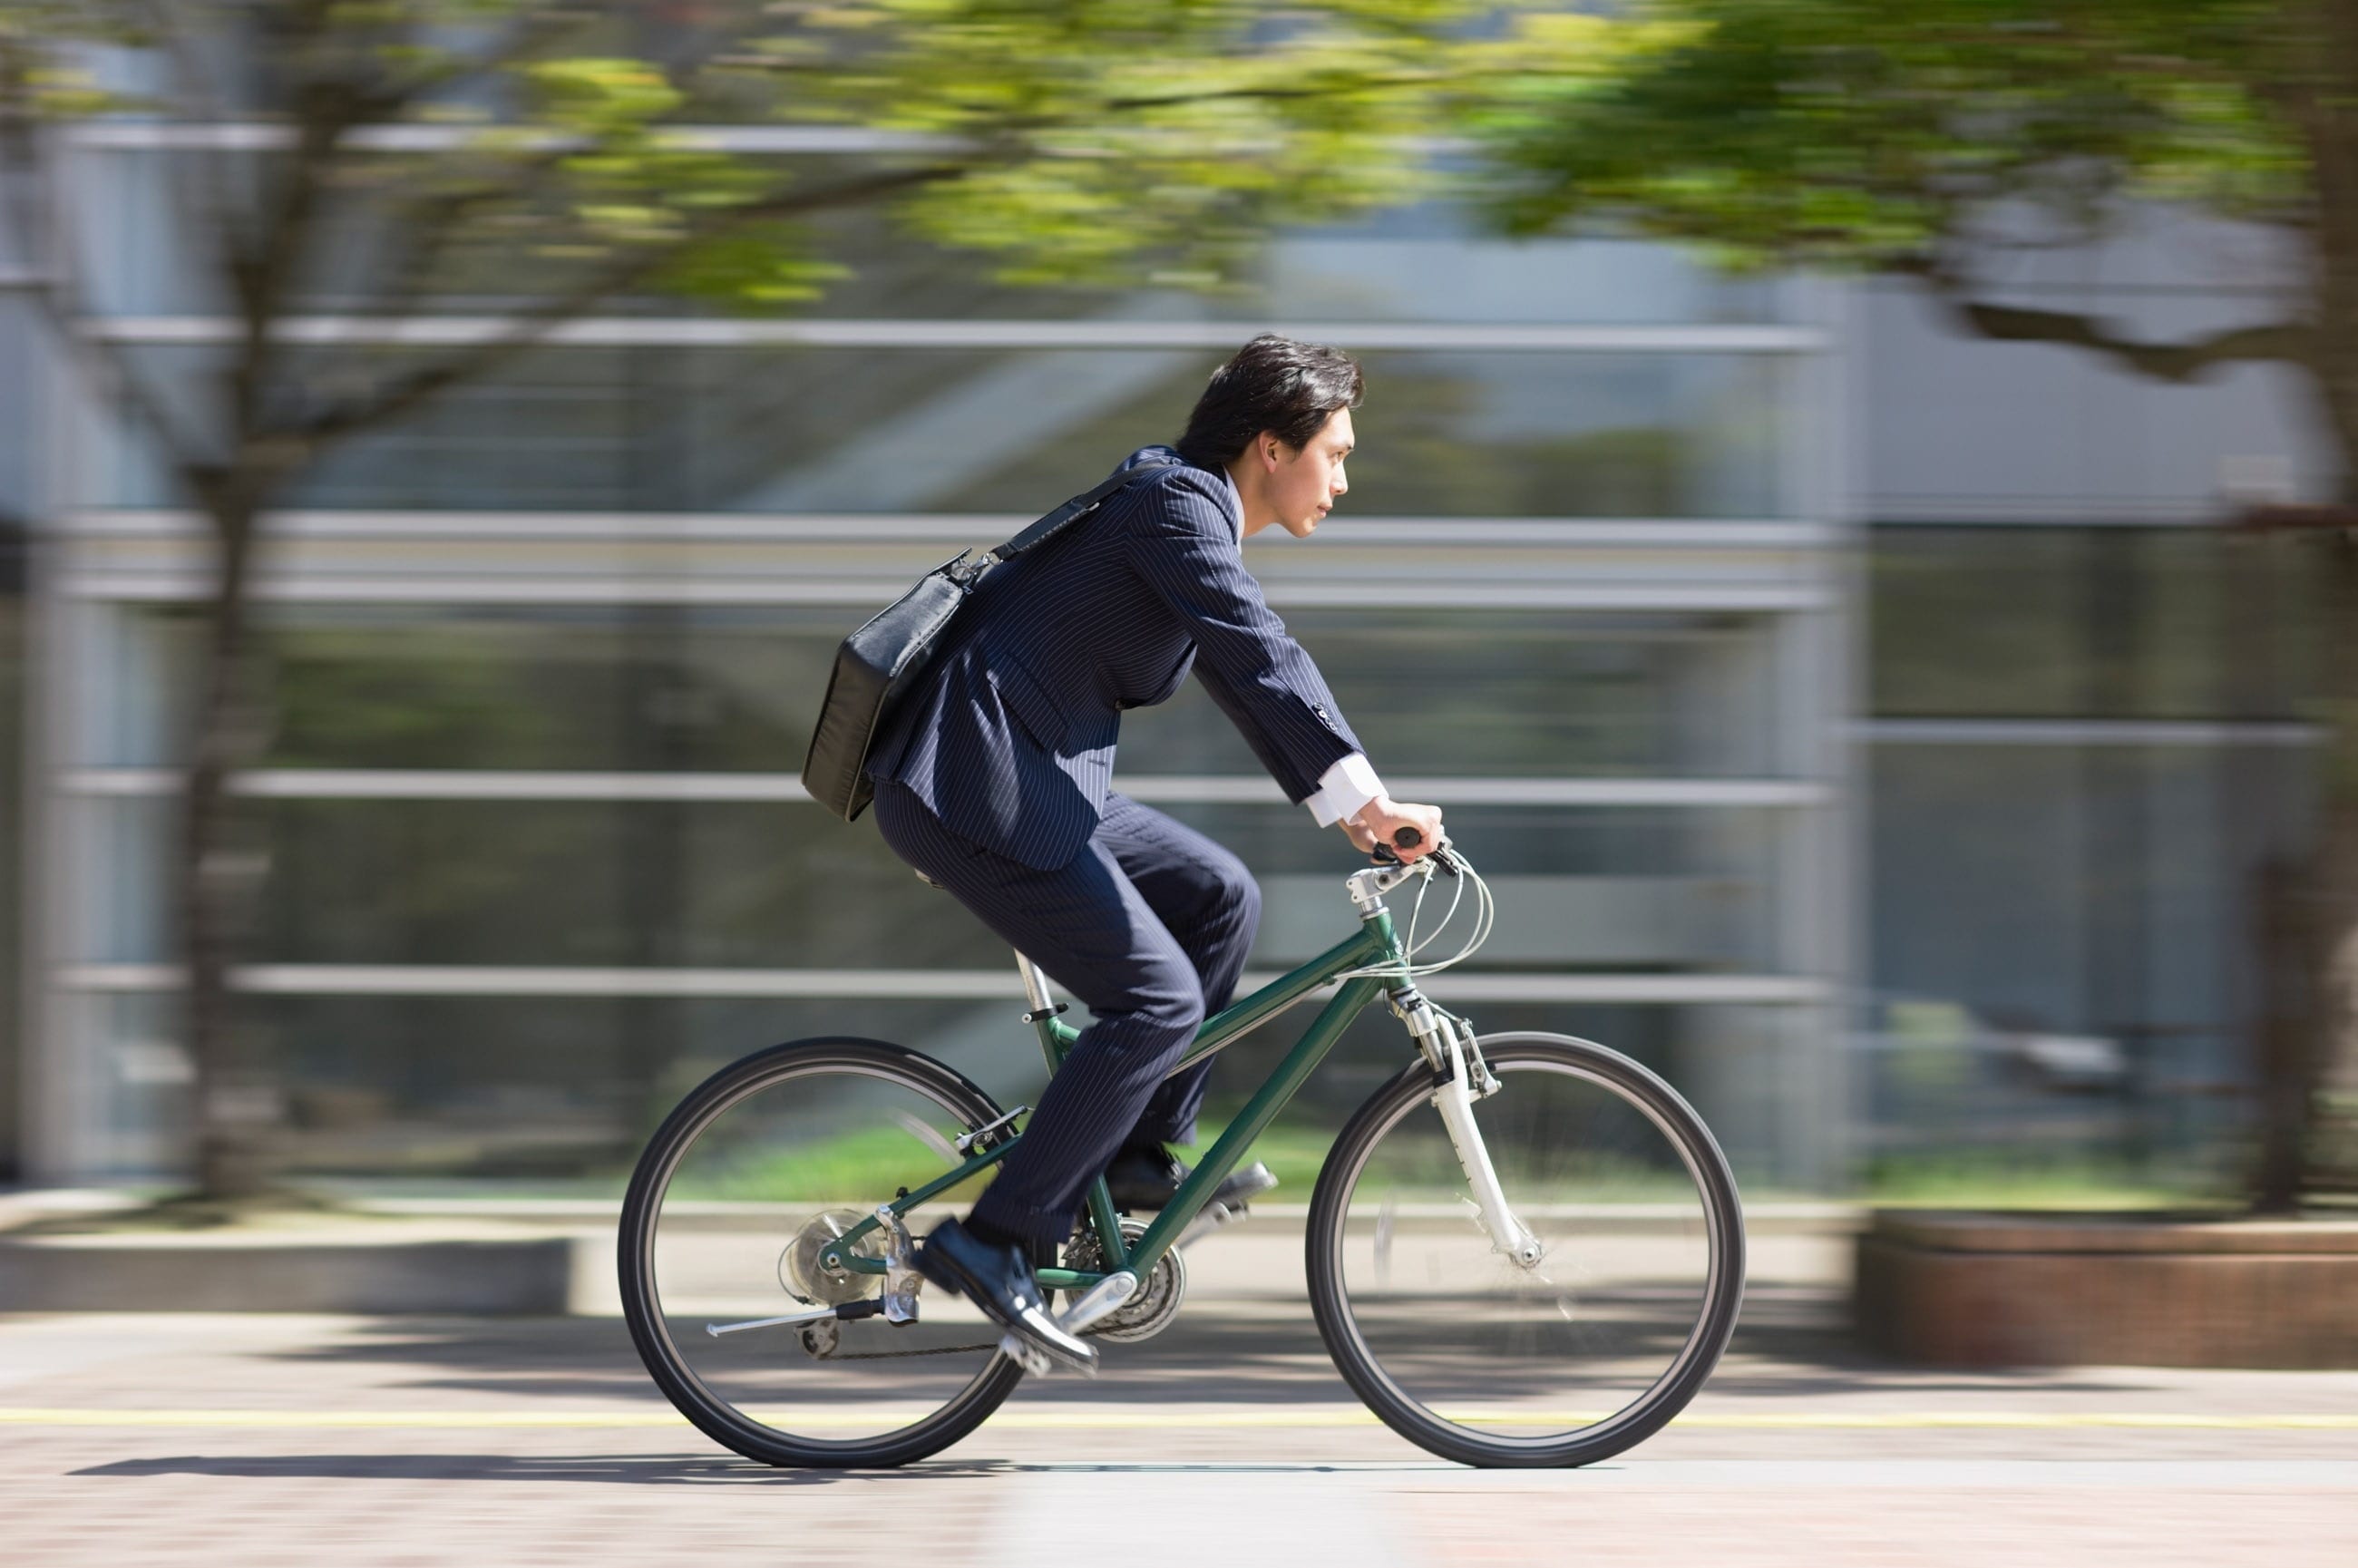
(992, 781)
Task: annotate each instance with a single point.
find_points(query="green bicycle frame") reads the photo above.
(1373, 945)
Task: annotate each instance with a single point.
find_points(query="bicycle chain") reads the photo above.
(937, 1350)
(1089, 1332)
(904, 1355)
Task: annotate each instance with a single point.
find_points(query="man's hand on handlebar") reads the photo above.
(1382, 820)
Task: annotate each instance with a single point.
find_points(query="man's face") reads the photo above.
(1305, 483)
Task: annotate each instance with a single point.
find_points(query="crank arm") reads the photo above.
(1100, 1299)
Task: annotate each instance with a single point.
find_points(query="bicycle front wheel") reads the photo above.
(1479, 1359)
(734, 1200)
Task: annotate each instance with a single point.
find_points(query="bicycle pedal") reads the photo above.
(1035, 1363)
(1212, 1217)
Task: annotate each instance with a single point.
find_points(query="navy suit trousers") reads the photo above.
(1148, 927)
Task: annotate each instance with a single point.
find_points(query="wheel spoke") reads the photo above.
(737, 1222)
(1557, 1358)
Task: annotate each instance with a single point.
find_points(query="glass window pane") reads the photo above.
(785, 886)
(552, 1090)
(2089, 622)
(557, 1096)
(1506, 692)
(568, 883)
(598, 689)
(1442, 433)
(1976, 623)
(1467, 693)
(2084, 981)
(1666, 890)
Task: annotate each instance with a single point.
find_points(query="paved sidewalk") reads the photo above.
(257, 1440)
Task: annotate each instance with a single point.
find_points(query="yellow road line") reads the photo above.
(1151, 1420)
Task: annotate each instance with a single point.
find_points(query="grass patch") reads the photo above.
(861, 1168)
(1292, 1152)
(2001, 1180)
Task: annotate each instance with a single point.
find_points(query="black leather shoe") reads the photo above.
(999, 1280)
(1149, 1177)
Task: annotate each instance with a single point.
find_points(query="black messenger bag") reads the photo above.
(881, 662)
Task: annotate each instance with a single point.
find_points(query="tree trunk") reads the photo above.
(2308, 935)
(2308, 913)
(237, 1099)
(2307, 1048)
(2333, 1092)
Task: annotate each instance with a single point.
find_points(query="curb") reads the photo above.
(100, 1273)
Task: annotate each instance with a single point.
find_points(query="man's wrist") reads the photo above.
(1343, 789)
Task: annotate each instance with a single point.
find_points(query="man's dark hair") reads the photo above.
(1274, 383)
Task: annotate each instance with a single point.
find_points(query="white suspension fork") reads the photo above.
(1454, 1101)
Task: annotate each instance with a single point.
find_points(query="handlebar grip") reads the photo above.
(1407, 837)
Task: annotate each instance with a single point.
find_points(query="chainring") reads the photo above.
(1148, 1313)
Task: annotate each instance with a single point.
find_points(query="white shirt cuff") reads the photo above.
(1343, 789)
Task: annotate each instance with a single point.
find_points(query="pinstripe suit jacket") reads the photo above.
(1010, 741)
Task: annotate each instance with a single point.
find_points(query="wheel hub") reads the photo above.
(807, 1280)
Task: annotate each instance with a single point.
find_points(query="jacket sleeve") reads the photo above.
(1183, 544)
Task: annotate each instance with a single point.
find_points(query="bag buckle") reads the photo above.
(966, 570)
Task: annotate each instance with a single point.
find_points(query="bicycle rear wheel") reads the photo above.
(758, 1168)
(1473, 1358)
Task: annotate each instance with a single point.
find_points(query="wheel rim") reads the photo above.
(758, 1171)
(1623, 1308)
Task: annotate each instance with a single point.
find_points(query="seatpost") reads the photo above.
(1042, 1014)
(1035, 983)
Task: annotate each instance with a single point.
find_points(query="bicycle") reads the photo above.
(1555, 1327)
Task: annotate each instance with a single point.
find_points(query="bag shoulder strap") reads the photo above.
(1056, 522)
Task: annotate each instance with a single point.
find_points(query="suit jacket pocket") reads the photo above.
(1028, 702)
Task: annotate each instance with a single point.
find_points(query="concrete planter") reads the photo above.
(296, 1272)
(1987, 1289)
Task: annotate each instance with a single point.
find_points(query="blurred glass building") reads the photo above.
(1874, 730)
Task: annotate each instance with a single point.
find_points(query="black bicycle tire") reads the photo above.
(1329, 1304)
(634, 1260)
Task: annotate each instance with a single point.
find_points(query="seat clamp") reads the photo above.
(1049, 1011)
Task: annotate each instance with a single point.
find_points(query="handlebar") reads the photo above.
(1409, 838)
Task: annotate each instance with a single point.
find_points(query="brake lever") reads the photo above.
(1382, 856)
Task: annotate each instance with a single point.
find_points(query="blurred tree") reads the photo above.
(1933, 140)
(399, 158)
